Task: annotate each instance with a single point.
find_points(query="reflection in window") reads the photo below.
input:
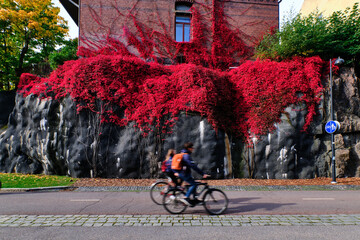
(182, 29)
(182, 21)
(183, 7)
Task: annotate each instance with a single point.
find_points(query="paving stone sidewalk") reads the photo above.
(176, 220)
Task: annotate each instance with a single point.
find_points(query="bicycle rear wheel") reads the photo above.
(215, 201)
(172, 203)
(157, 191)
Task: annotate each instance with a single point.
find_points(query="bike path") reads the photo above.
(74, 219)
(243, 205)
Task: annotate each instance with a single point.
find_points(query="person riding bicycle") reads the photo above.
(166, 168)
(185, 172)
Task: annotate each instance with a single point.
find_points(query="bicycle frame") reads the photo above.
(201, 194)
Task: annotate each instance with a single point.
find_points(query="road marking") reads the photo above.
(318, 199)
(84, 200)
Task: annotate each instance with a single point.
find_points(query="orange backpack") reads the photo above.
(176, 163)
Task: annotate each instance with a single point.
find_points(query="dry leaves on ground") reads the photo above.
(102, 182)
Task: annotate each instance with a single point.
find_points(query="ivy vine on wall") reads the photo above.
(244, 101)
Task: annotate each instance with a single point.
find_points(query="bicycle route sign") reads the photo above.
(332, 126)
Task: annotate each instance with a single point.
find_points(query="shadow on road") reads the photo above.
(242, 205)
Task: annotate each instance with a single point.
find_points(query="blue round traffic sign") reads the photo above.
(332, 126)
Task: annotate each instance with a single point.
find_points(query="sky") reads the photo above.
(288, 8)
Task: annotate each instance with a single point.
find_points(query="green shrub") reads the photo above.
(66, 53)
(315, 35)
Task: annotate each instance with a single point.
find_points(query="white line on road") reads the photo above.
(85, 200)
(318, 199)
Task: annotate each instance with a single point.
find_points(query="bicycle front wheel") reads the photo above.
(157, 191)
(172, 203)
(215, 201)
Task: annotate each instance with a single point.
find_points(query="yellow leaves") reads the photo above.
(3, 14)
(36, 18)
(34, 25)
(20, 13)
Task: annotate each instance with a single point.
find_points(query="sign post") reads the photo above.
(331, 127)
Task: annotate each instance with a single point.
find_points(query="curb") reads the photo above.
(224, 188)
(55, 188)
(231, 188)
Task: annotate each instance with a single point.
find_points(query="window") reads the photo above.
(182, 29)
(182, 22)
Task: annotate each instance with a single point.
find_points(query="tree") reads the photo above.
(32, 29)
(66, 53)
(7, 55)
(315, 35)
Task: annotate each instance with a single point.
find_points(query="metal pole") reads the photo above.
(332, 134)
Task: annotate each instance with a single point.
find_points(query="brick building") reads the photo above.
(172, 18)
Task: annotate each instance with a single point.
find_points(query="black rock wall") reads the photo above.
(286, 152)
(7, 103)
(47, 136)
(290, 152)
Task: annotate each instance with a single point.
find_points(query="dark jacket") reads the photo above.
(168, 165)
(189, 164)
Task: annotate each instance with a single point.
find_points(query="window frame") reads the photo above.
(185, 28)
(182, 10)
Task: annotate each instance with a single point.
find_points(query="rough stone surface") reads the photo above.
(46, 136)
(7, 103)
(288, 152)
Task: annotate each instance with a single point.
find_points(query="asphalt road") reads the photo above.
(240, 203)
(175, 233)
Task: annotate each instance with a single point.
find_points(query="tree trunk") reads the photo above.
(19, 69)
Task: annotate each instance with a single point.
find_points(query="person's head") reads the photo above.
(189, 146)
(170, 153)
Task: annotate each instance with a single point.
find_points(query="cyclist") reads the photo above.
(185, 173)
(166, 168)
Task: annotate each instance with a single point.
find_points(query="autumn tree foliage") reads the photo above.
(67, 52)
(27, 27)
(243, 101)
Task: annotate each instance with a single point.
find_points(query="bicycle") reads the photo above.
(214, 200)
(159, 188)
(157, 191)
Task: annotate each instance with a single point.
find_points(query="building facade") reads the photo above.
(326, 7)
(170, 18)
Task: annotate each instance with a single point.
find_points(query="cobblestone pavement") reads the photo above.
(176, 220)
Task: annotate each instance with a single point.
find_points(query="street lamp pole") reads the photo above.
(332, 134)
(338, 62)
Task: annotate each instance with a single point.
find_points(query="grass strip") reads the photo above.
(17, 180)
